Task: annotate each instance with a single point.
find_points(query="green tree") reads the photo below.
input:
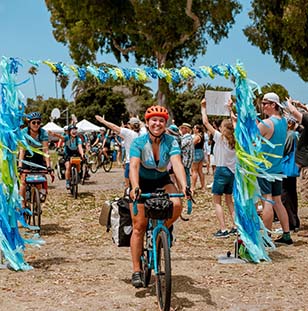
(33, 72)
(280, 28)
(63, 81)
(156, 33)
(102, 101)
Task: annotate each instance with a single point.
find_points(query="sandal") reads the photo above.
(136, 279)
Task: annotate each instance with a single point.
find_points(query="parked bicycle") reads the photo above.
(156, 251)
(36, 193)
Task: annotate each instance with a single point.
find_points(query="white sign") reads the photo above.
(216, 103)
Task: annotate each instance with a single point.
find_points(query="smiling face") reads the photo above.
(268, 107)
(35, 125)
(156, 125)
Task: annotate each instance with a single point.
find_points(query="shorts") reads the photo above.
(126, 170)
(212, 160)
(223, 181)
(270, 187)
(198, 155)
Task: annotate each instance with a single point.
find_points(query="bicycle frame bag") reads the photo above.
(120, 222)
(158, 208)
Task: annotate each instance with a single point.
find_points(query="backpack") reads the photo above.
(116, 216)
(289, 167)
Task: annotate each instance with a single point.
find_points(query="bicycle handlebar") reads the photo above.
(158, 195)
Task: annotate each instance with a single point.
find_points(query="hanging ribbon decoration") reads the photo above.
(248, 146)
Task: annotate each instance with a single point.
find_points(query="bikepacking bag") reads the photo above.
(289, 167)
(116, 216)
(158, 208)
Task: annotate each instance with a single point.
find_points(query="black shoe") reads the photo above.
(284, 241)
(136, 279)
(221, 234)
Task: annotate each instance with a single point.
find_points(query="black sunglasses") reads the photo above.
(36, 122)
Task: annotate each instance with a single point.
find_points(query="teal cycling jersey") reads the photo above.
(141, 148)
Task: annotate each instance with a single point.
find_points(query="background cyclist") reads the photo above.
(149, 157)
(40, 137)
(105, 140)
(72, 148)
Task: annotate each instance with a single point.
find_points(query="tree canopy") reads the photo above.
(155, 32)
(280, 28)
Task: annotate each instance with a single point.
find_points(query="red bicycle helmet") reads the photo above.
(157, 111)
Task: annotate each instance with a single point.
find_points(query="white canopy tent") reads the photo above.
(51, 126)
(87, 126)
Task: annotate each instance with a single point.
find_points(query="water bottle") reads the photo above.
(28, 195)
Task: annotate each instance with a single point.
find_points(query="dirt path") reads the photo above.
(80, 269)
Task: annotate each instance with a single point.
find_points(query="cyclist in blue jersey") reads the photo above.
(39, 140)
(72, 148)
(149, 156)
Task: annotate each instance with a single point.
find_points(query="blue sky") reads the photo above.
(25, 32)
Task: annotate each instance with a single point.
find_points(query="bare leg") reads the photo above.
(268, 213)
(229, 203)
(281, 213)
(219, 211)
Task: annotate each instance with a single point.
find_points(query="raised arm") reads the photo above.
(205, 119)
(293, 110)
(111, 125)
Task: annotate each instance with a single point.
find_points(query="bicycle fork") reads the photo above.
(159, 227)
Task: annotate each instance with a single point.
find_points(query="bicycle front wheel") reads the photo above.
(163, 277)
(107, 164)
(36, 208)
(93, 163)
(74, 182)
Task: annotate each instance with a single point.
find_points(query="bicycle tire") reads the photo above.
(74, 182)
(36, 208)
(163, 278)
(107, 164)
(93, 163)
(58, 169)
(145, 268)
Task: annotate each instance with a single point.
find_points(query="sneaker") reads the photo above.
(282, 240)
(233, 231)
(209, 186)
(221, 234)
(137, 280)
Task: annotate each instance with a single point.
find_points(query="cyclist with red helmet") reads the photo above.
(149, 156)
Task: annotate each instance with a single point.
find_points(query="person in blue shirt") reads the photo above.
(149, 156)
(72, 148)
(37, 138)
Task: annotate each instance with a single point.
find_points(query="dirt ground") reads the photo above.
(79, 268)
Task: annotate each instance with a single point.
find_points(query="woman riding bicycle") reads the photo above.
(40, 137)
(72, 148)
(149, 157)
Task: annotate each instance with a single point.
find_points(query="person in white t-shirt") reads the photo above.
(128, 134)
(225, 167)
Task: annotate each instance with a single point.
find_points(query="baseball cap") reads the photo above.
(173, 130)
(186, 125)
(273, 97)
(133, 120)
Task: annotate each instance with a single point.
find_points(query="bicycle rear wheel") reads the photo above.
(36, 208)
(107, 164)
(93, 163)
(74, 182)
(163, 278)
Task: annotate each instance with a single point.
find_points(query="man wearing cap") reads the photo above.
(187, 149)
(128, 135)
(274, 129)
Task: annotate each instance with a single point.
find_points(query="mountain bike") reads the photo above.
(75, 169)
(156, 251)
(96, 161)
(36, 192)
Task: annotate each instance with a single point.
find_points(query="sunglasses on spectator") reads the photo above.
(266, 103)
(36, 122)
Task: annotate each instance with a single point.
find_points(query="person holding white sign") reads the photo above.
(225, 168)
